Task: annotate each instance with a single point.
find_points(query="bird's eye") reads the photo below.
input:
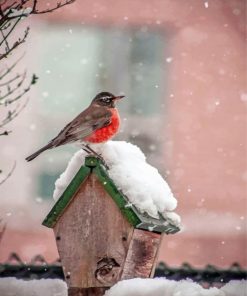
(106, 99)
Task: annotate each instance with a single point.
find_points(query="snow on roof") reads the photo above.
(138, 180)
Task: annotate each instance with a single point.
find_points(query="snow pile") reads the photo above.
(138, 180)
(133, 287)
(44, 287)
(235, 288)
(163, 287)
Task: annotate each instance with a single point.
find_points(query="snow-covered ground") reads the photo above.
(133, 287)
(163, 287)
(45, 287)
(137, 179)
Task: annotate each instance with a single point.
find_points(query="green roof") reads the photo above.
(95, 166)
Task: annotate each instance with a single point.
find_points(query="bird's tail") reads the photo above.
(37, 153)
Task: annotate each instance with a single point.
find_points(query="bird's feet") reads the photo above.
(89, 150)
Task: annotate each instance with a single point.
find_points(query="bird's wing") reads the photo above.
(83, 125)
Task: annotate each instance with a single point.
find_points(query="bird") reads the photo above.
(98, 123)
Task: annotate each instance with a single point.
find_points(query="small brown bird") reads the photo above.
(96, 124)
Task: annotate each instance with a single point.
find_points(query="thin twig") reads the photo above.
(10, 31)
(2, 229)
(13, 114)
(9, 174)
(11, 91)
(15, 45)
(8, 14)
(5, 133)
(59, 5)
(10, 81)
(11, 67)
(5, 39)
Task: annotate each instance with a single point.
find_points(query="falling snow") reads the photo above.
(169, 59)
(243, 97)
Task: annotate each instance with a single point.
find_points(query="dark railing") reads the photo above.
(208, 276)
(38, 268)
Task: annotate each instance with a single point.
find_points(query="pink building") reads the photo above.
(182, 67)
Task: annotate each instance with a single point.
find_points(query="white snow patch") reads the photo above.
(19, 12)
(235, 288)
(175, 218)
(133, 287)
(164, 287)
(48, 287)
(138, 180)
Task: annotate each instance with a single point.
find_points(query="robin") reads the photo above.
(96, 124)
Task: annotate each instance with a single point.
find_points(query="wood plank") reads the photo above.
(86, 292)
(156, 256)
(93, 238)
(66, 197)
(142, 254)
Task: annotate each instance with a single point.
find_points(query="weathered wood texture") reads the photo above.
(155, 259)
(93, 238)
(86, 292)
(142, 254)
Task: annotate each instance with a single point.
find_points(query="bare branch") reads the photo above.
(9, 174)
(59, 5)
(13, 114)
(10, 101)
(11, 87)
(10, 31)
(10, 91)
(16, 11)
(15, 45)
(11, 80)
(2, 229)
(8, 70)
(34, 5)
(5, 39)
(5, 133)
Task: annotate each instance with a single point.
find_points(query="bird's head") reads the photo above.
(106, 99)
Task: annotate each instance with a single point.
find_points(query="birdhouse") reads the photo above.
(101, 237)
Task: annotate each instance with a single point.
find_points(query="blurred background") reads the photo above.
(182, 66)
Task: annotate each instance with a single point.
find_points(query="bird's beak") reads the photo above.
(118, 98)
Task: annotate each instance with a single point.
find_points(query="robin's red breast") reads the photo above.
(107, 132)
(96, 124)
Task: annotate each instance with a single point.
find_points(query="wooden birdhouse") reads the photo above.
(101, 237)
